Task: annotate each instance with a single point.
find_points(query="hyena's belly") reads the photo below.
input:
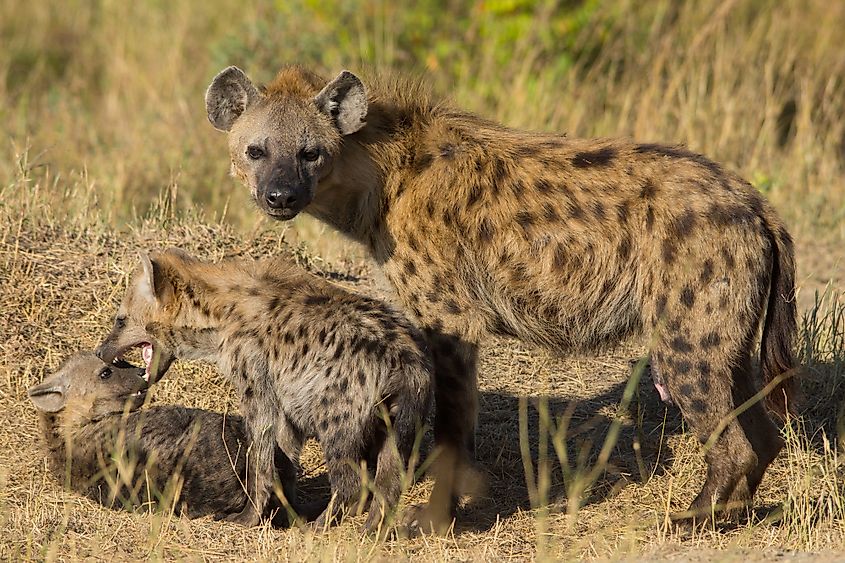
(589, 308)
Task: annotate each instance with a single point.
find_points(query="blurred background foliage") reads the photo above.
(101, 101)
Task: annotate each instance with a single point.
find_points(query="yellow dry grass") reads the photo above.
(61, 286)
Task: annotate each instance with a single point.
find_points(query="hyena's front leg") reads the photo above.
(261, 470)
(456, 397)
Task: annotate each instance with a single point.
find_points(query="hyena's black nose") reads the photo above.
(281, 198)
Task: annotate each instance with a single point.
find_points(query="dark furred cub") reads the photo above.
(308, 358)
(103, 446)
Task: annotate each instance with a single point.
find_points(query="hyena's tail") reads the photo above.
(780, 326)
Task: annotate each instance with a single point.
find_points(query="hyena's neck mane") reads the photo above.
(363, 185)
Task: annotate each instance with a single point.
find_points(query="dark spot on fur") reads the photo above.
(362, 378)
(422, 161)
(543, 186)
(649, 218)
(410, 268)
(429, 208)
(682, 367)
(343, 385)
(727, 215)
(698, 406)
(525, 220)
(575, 211)
(413, 244)
(600, 157)
(560, 258)
(550, 213)
(316, 299)
(622, 211)
(685, 389)
(680, 344)
(707, 271)
(273, 304)
(660, 306)
(683, 225)
(649, 190)
(669, 249)
(473, 196)
(688, 297)
(485, 231)
(248, 392)
(711, 340)
(730, 263)
(624, 249)
(452, 307)
(674, 325)
(598, 210)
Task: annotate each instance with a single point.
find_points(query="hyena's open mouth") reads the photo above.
(146, 356)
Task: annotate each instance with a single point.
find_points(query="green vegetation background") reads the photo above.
(101, 102)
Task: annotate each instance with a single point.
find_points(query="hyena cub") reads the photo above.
(104, 447)
(308, 358)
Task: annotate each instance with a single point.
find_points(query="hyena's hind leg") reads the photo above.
(761, 432)
(701, 387)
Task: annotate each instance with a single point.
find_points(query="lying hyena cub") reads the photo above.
(308, 358)
(109, 450)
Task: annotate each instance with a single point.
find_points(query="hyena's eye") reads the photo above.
(105, 373)
(310, 155)
(254, 152)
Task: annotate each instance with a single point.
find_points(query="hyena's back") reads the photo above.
(575, 244)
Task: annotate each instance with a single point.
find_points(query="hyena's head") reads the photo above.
(86, 388)
(148, 307)
(283, 138)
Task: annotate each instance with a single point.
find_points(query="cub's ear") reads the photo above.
(154, 285)
(229, 95)
(50, 395)
(345, 100)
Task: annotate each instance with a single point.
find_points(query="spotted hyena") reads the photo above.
(103, 445)
(308, 358)
(570, 244)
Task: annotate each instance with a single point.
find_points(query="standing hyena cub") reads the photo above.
(308, 358)
(104, 446)
(571, 244)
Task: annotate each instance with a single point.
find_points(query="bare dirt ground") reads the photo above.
(58, 292)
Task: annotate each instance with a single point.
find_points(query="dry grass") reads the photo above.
(62, 280)
(107, 150)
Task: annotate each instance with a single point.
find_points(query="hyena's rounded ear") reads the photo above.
(345, 100)
(50, 395)
(229, 95)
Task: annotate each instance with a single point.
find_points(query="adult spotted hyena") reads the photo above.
(570, 244)
(308, 358)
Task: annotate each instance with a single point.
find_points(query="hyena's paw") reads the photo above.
(247, 517)
(379, 526)
(427, 519)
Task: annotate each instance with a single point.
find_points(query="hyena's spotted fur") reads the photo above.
(308, 358)
(570, 244)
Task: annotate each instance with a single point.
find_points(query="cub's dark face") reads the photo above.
(85, 388)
